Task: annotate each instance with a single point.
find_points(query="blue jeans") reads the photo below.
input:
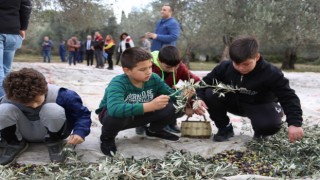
(62, 56)
(46, 53)
(72, 57)
(9, 43)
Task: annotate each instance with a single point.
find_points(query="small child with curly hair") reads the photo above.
(34, 111)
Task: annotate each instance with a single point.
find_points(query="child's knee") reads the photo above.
(211, 98)
(52, 111)
(52, 116)
(267, 130)
(169, 109)
(9, 112)
(209, 94)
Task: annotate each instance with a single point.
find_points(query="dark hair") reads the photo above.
(25, 85)
(243, 48)
(167, 4)
(169, 55)
(122, 35)
(132, 56)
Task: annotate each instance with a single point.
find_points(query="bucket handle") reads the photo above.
(205, 119)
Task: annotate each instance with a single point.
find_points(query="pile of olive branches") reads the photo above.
(274, 156)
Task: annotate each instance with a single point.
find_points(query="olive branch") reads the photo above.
(183, 89)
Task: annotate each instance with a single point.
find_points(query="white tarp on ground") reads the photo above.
(90, 84)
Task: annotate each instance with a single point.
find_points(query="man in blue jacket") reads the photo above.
(14, 18)
(34, 111)
(167, 30)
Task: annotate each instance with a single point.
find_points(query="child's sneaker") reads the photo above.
(224, 134)
(11, 152)
(3, 143)
(56, 153)
(108, 146)
(174, 128)
(163, 134)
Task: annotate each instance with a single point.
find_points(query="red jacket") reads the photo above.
(181, 72)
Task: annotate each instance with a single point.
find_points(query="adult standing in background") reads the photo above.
(98, 49)
(167, 30)
(125, 43)
(109, 49)
(62, 51)
(119, 50)
(46, 49)
(14, 20)
(80, 52)
(72, 49)
(89, 50)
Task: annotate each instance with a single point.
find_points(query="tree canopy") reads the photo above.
(285, 28)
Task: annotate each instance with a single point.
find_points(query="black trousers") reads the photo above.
(118, 57)
(111, 126)
(265, 118)
(89, 57)
(110, 62)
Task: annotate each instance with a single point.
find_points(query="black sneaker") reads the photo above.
(163, 134)
(141, 130)
(108, 147)
(56, 153)
(11, 152)
(224, 134)
(174, 128)
(3, 143)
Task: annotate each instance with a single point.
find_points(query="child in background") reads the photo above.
(109, 46)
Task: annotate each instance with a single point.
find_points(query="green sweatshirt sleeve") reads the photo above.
(122, 99)
(114, 99)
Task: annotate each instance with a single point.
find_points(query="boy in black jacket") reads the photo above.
(263, 87)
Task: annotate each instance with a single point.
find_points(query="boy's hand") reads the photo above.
(188, 93)
(295, 133)
(160, 102)
(189, 112)
(156, 104)
(75, 139)
(200, 108)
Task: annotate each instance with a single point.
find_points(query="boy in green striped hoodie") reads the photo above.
(136, 98)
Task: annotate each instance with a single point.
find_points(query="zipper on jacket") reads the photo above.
(241, 78)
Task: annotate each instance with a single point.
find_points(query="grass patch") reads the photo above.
(202, 66)
(34, 58)
(195, 66)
